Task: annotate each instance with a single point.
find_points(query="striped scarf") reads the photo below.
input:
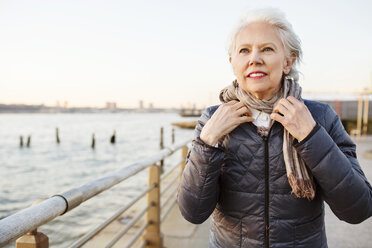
(299, 178)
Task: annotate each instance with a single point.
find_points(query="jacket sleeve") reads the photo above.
(330, 154)
(199, 188)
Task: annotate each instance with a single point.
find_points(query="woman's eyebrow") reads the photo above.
(260, 45)
(268, 44)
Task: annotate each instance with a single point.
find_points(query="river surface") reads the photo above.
(48, 168)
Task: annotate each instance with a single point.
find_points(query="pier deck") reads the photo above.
(181, 234)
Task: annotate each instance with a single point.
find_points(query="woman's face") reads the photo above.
(259, 60)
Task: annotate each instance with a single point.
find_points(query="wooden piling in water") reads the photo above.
(113, 138)
(57, 136)
(28, 144)
(93, 145)
(21, 141)
(173, 137)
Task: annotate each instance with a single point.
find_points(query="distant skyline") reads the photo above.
(168, 53)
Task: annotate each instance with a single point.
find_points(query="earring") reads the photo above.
(289, 77)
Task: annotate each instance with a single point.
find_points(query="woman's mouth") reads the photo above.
(256, 75)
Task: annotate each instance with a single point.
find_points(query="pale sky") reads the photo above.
(169, 53)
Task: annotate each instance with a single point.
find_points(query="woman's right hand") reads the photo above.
(226, 118)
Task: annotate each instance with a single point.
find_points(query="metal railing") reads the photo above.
(27, 220)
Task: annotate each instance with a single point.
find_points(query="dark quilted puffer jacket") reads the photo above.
(243, 182)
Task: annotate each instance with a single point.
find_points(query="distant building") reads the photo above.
(140, 104)
(66, 104)
(111, 106)
(151, 105)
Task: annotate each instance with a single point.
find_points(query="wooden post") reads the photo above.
(113, 138)
(21, 141)
(173, 138)
(152, 235)
(365, 116)
(93, 141)
(338, 108)
(184, 152)
(161, 145)
(33, 239)
(359, 118)
(57, 136)
(28, 144)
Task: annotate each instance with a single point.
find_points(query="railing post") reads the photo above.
(33, 239)
(359, 117)
(173, 136)
(365, 116)
(152, 235)
(161, 145)
(184, 152)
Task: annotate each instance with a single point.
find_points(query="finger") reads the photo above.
(238, 105)
(293, 100)
(246, 119)
(278, 118)
(242, 105)
(279, 108)
(287, 104)
(232, 102)
(297, 104)
(244, 111)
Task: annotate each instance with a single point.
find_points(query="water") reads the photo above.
(48, 168)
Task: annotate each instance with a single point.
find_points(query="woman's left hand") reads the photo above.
(294, 116)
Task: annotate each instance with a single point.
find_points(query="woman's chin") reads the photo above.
(259, 93)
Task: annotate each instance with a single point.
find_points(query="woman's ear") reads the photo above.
(230, 60)
(288, 63)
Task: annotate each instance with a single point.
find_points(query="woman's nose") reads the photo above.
(255, 58)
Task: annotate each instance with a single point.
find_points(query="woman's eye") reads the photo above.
(244, 50)
(268, 49)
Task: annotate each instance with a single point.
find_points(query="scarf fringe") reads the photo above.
(302, 188)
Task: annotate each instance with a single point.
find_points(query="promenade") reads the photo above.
(181, 234)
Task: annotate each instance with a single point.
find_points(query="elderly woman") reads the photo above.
(264, 160)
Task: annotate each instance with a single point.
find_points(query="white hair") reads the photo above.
(290, 40)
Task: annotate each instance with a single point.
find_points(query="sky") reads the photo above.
(168, 53)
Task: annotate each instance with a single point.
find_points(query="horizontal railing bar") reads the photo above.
(168, 198)
(165, 214)
(138, 234)
(91, 234)
(171, 170)
(128, 226)
(28, 219)
(166, 188)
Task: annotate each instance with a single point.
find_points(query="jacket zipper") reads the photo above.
(266, 191)
(267, 223)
